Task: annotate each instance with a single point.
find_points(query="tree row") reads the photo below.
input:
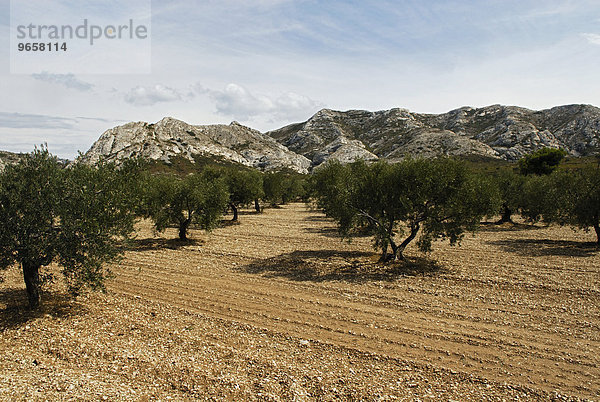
(80, 216)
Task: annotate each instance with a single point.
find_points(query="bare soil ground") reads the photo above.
(278, 308)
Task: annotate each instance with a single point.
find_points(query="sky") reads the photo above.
(269, 63)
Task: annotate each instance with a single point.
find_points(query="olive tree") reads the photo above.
(197, 198)
(569, 198)
(283, 187)
(510, 186)
(273, 188)
(519, 191)
(73, 216)
(582, 199)
(437, 198)
(245, 187)
(537, 198)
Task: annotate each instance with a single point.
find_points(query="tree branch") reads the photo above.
(369, 217)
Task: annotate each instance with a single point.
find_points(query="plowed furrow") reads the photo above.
(529, 320)
(419, 341)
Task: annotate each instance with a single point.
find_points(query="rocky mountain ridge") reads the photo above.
(505, 132)
(501, 132)
(171, 137)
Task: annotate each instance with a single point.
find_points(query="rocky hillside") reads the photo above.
(505, 132)
(7, 158)
(170, 137)
(502, 132)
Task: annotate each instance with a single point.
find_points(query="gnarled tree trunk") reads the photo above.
(183, 228)
(597, 229)
(384, 254)
(392, 244)
(506, 215)
(394, 249)
(256, 205)
(399, 254)
(32, 282)
(235, 212)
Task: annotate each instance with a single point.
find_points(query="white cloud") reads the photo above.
(37, 121)
(594, 39)
(66, 80)
(291, 106)
(21, 132)
(147, 96)
(236, 101)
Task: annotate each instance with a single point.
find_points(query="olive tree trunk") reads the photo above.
(399, 254)
(506, 215)
(385, 256)
(183, 228)
(32, 283)
(235, 212)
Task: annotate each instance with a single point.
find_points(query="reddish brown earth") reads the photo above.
(278, 308)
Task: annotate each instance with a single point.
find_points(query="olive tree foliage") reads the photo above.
(566, 198)
(510, 186)
(294, 188)
(245, 187)
(437, 198)
(273, 188)
(538, 198)
(283, 187)
(196, 199)
(75, 217)
(581, 200)
(514, 186)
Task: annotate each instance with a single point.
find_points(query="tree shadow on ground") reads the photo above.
(53, 303)
(335, 265)
(494, 227)
(157, 244)
(326, 232)
(545, 247)
(333, 232)
(249, 212)
(317, 218)
(228, 222)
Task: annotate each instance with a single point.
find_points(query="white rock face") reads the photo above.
(495, 131)
(429, 144)
(170, 137)
(344, 150)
